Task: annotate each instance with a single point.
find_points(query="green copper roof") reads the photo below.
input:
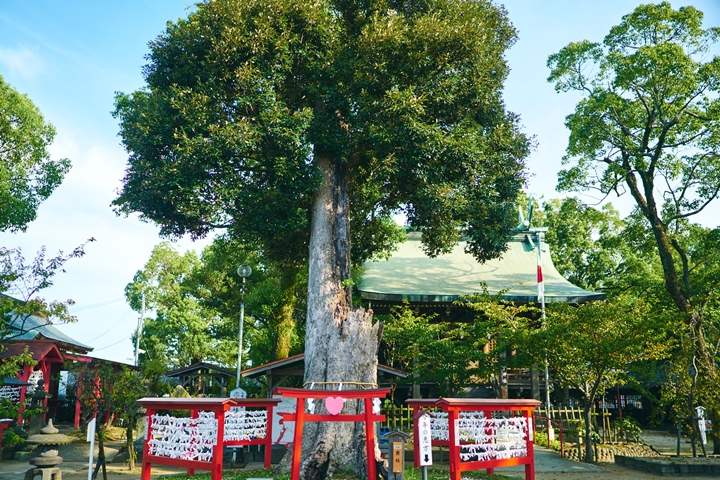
(410, 274)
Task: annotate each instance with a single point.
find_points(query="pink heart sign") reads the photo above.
(334, 405)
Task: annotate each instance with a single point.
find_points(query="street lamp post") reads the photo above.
(244, 271)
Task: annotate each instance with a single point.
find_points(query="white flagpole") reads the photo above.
(541, 299)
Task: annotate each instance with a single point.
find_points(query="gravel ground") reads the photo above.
(549, 466)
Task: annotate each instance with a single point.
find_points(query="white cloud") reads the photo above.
(22, 61)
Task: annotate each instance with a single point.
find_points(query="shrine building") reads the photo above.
(433, 285)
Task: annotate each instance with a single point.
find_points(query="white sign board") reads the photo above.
(91, 439)
(283, 433)
(238, 393)
(425, 440)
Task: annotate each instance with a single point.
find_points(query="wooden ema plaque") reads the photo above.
(457, 410)
(333, 403)
(184, 452)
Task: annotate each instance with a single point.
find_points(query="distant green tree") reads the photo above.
(183, 331)
(129, 387)
(197, 307)
(582, 238)
(594, 346)
(27, 174)
(649, 124)
(456, 355)
(274, 296)
(98, 391)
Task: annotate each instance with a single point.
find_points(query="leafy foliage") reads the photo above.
(27, 174)
(240, 103)
(455, 355)
(649, 122)
(594, 346)
(21, 282)
(106, 390)
(197, 303)
(182, 332)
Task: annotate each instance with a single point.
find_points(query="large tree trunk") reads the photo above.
(341, 341)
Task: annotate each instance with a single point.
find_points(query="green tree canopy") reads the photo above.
(239, 102)
(27, 174)
(593, 346)
(649, 123)
(197, 303)
(182, 332)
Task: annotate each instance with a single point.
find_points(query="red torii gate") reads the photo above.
(300, 417)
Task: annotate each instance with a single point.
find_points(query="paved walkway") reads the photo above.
(548, 466)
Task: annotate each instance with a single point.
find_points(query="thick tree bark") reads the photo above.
(587, 416)
(130, 444)
(341, 341)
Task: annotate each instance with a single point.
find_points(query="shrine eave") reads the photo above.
(410, 275)
(430, 300)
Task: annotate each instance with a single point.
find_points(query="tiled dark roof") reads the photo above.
(300, 358)
(199, 366)
(36, 328)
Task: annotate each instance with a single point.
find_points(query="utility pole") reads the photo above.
(139, 329)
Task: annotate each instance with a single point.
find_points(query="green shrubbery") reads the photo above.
(541, 439)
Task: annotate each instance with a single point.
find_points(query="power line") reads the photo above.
(95, 305)
(111, 345)
(113, 326)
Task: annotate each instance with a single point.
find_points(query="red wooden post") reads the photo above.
(530, 467)
(23, 391)
(217, 458)
(370, 439)
(454, 439)
(268, 436)
(45, 367)
(146, 465)
(297, 439)
(416, 435)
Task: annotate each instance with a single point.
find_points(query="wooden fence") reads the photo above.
(399, 417)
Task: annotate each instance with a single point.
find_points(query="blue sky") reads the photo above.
(70, 57)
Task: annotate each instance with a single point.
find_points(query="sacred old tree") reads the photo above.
(288, 122)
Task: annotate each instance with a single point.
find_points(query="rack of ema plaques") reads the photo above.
(480, 433)
(334, 401)
(197, 442)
